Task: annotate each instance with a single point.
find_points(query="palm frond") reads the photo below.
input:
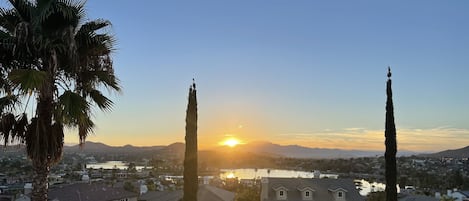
(8, 102)
(21, 127)
(56, 143)
(27, 79)
(24, 8)
(72, 107)
(7, 123)
(46, 147)
(90, 28)
(34, 144)
(85, 127)
(108, 79)
(4, 36)
(96, 45)
(101, 101)
(94, 77)
(43, 10)
(67, 12)
(9, 19)
(5, 84)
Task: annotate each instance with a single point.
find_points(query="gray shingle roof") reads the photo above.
(89, 192)
(323, 188)
(416, 198)
(162, 195)
(466, 193)
(205, 193)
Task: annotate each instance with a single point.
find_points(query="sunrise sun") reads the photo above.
(231, 142)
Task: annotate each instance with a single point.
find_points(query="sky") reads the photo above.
(311, 73)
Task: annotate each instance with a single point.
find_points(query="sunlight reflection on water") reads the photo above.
(121, 165)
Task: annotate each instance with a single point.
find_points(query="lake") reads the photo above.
(365, 186)
(121, 165)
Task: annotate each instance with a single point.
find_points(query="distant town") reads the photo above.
(101, 172)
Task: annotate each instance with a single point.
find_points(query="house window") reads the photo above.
(340, 194)
(307, 195)
(281, 195)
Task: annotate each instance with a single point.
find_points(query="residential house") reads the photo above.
(298, 189)
(90, 192)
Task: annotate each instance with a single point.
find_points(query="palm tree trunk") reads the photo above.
(41, 145)
(40, 182)
(391, 146)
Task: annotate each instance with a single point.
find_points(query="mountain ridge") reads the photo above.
(258, 147)
(451, 153)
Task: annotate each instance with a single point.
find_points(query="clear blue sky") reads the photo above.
(292, 72)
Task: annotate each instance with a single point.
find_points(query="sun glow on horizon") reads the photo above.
(231, 142)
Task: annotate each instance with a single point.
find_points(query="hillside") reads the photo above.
(453, 153)
(97, 147)
(296, 151)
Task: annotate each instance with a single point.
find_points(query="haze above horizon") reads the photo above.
(305, 72)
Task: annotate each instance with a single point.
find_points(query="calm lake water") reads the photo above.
(112, 165)
(365, 187)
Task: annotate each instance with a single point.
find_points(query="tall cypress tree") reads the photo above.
(391, 145)
(190, 158)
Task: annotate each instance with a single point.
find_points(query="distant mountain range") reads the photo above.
(452, 153)
(258, 148)
(100, 147)
(263, 148)
(296, 151)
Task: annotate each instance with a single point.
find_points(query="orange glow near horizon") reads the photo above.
(230, 142)
(423, 140)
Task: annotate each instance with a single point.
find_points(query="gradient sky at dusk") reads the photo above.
(301, 72)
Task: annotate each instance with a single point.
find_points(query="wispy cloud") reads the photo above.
(417, 139)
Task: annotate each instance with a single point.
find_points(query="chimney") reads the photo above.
(264, 188)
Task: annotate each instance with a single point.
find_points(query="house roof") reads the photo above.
(206, 192)
(304, 188)
(465, 193)
(279, 187)
(337, 188)
(88, 192)
(162, 196)
(417, 198)
(321, 188)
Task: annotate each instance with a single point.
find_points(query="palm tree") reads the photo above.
(191, 182)
(55, 64)
(391, 145)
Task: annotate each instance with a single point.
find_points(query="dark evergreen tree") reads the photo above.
(391, 145)
(190, 159)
